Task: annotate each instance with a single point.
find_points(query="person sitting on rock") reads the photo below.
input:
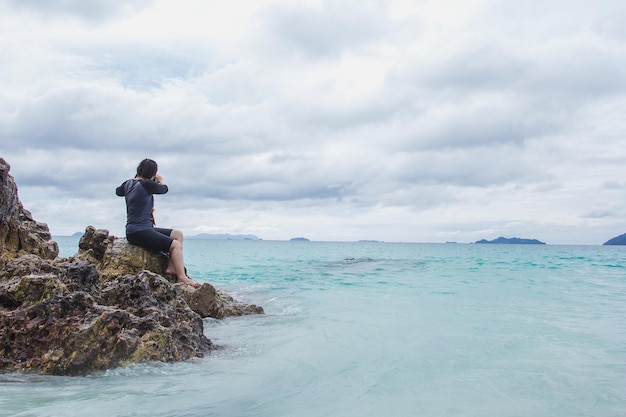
(141, 228)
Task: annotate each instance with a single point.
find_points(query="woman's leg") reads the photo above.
(177, 262)
(171, 269)
(159, 239)
(176, 265)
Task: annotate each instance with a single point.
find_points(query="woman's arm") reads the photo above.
(120, 191)
(154, 187)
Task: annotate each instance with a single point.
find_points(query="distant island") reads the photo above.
(513, 241)
(618, 240)
(299, 239)
(222, 236)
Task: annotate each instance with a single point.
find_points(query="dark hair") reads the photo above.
(147, 169)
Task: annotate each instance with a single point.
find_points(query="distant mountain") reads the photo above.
(299, 239)
(223, 236)
(513, 240)
(618, 240)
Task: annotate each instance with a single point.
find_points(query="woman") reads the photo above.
(140, 225)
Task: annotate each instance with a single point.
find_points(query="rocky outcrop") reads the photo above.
(19, 233)
(107, 306)
(56, 317)
(617, 240)
(209, 301)
(113, 256)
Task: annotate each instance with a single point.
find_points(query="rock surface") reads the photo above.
(56, 317)
(107, 306)
(19, 233)
(113, 256)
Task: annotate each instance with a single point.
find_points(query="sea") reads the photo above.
(378, 329)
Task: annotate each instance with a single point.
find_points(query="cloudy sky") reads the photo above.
(396, 120)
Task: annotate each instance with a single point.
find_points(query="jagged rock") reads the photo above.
(19, 233)
(211, 302)
(114, 256)
(93, 243)
(232, 307)
(107, 306)
(55, 319)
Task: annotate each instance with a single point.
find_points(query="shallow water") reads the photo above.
(370, 329)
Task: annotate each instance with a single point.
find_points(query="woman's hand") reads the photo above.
(159, 179)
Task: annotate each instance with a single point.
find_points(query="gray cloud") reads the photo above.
(482, 65)
(321, 33)
(418, 125)
(93, 10)
(600, 214)
(143, 67)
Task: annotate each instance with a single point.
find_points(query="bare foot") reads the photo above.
(189, 281)
(172, 271)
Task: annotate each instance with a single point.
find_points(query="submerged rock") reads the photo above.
(107, 306)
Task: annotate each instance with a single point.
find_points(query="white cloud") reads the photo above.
(400, 120)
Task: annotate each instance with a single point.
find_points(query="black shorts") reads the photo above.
(157, 239)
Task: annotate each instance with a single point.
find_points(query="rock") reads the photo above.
(93, 243)
(107, 306)
(19, 233)
(618, 240)
(113, 256)
(56, 319)
(210, 302)
(232, 307)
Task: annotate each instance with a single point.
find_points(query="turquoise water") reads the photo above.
(371, 329)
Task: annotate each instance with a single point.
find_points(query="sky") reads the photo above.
(397, 120)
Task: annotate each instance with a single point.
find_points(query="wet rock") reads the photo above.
(211, 302)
